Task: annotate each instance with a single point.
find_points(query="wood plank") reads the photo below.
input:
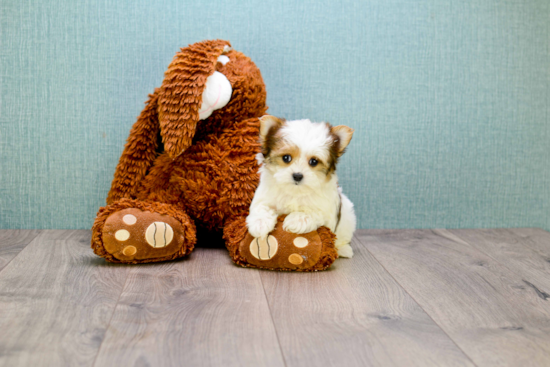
(482, 305)
(56, 299)
(12, 241)
(514, 252)
(199, 311)
(536, 239)
(354, 314)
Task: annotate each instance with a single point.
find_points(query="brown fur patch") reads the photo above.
(321, 166)
(339, 215)
(338, 146)
(334, 151)
(279, 151)
(272, 138)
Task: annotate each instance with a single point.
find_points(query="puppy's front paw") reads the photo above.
(345, 251)
(260, 226)
(299, 222)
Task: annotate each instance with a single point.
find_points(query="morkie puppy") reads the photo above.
(298, 177)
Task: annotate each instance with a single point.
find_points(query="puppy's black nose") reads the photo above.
(297, 177)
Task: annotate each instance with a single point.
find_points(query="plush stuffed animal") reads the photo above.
(190, 158)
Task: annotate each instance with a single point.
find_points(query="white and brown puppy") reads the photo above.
(298, 178)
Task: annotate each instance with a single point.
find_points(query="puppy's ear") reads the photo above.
(342, 136)
(267, 122)
(269, 125)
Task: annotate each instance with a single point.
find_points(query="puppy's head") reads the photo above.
(301, 154)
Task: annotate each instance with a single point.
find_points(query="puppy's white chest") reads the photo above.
(286, 205)
(322, 207)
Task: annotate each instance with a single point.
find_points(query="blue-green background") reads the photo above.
(449, 99)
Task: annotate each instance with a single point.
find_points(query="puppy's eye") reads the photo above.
(313, 162)
(287, 158)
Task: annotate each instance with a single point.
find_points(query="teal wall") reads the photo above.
(450, 100)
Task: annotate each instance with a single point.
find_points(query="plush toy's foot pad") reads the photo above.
(134, 235)
(282, 250)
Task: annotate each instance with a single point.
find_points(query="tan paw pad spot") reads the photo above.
(295, 259)
(122, 235)
(159, 234)
(264, 248)
(129, 251)
(300, 242)
(129, 219)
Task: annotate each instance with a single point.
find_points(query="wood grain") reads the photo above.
(487, 309)
(408, 297)
(354, 315)
(200, 311)
(514, 252)
(536, 239)
(12, 241)
(56, 299)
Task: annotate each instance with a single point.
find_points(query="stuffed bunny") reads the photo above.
(191, 158)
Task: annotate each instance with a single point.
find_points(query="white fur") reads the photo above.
(310, 203)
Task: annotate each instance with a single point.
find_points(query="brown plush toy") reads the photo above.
(190, 158)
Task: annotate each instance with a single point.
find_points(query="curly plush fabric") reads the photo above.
(181, 91)
(139, 153)
(196, 171)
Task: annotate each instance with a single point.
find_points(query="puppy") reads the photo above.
(298, 177)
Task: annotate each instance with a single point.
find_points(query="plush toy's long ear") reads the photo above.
(138, 155)
(181, 93)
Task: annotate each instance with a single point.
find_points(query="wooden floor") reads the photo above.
(407, 298)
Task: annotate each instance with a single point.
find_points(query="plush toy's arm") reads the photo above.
(138, 155)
